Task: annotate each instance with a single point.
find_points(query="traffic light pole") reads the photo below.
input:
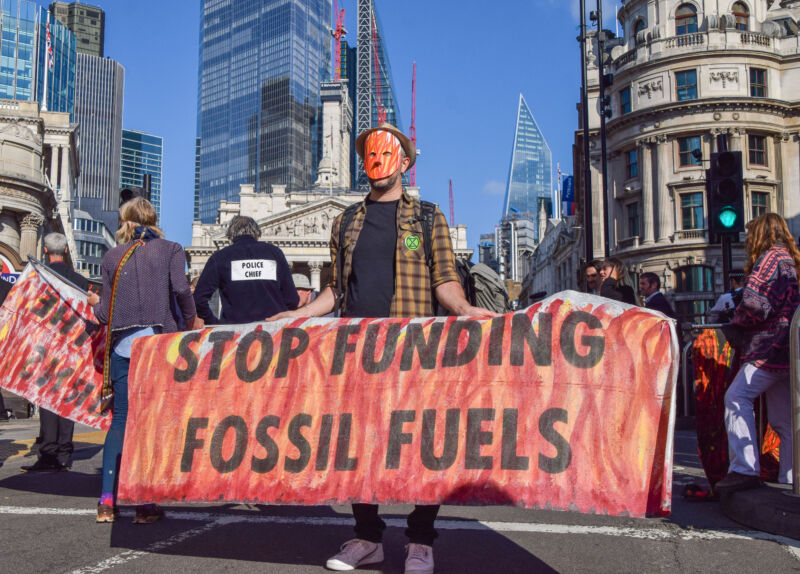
(727, 259)
(603, 148)
(588, 233)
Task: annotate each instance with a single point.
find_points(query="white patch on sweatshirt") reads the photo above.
(254, 270)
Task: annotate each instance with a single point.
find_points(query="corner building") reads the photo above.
(259, 109)
(693, 75)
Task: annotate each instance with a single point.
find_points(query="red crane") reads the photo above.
(412, 177)
(452, 207)
(338, 33)
(378, 96)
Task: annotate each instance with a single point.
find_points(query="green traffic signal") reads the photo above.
(727, 217)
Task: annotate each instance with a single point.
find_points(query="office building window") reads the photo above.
(685, 20)
(625, 101)
(757, 147)
(699, 280)
(633, 219)
(758, 83)
(760, 201)
(742, 15)
(685, 148)
(632, 163)
(686, 85)
(692, 210)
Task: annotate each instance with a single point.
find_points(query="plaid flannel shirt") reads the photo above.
(413, 280)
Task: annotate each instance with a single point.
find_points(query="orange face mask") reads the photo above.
(381, 154)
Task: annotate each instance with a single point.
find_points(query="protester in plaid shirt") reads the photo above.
(385, 274)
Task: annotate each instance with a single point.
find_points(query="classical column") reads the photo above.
(29, 236)
(646, 175)
(66, 182)
(735, 140)
(598, 225)
(666, 215)
(54, 150)
(316, 271)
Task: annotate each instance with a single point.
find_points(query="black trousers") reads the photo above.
(369, 525)
(56, 433)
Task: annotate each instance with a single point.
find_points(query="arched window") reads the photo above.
(639, 25)
(742, 15)
(685, 20)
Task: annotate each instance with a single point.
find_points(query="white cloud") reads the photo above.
(493, 187)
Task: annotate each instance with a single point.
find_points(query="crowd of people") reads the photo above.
(377, 272)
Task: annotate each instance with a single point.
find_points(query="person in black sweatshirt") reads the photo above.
(253, 278)
(55, 453)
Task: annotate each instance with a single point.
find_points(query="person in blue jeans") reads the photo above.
(152, 297)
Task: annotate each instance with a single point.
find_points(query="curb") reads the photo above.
(769, 508)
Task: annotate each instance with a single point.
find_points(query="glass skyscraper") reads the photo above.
(530, 178)
(142, 154)
(100, 84)
(22, 57)
(259, 112)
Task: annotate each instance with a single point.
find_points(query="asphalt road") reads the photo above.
(47, 525)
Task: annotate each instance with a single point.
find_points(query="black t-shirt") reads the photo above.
(370, 286)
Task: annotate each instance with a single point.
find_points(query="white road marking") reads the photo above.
(214, 520)
(130, 555)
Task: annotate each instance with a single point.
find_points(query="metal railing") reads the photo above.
(794, 377)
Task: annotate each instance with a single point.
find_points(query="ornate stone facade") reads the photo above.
(297, 222)
(680, 81)
(38, 170)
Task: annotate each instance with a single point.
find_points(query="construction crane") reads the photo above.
(338, 33)
(412, 177)
(377, 62)
(452, 207)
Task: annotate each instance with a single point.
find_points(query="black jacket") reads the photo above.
(623, 293)
(254, 282)
(68, 273)
(659, 303)
(5, 287)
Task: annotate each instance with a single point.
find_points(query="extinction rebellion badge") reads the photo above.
(412, 242)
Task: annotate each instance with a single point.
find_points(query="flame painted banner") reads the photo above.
(566, 405)
(52, 347)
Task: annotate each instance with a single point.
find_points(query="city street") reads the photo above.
(48, 526)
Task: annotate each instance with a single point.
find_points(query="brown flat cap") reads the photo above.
(408, 146)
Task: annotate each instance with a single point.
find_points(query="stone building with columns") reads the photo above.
(38, 171)
(692, 75)
(298, 222)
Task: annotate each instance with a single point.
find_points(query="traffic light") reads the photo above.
(725, 193)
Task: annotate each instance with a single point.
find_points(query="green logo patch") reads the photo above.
(412, 242)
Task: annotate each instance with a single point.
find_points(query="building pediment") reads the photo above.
(311, 220)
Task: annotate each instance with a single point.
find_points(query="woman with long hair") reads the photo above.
(617, 283)
(143, 283)
(770, 299)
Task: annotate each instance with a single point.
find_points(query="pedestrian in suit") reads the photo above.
(650, 289)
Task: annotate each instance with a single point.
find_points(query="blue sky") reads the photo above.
(472, 64)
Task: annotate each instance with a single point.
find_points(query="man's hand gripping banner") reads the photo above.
(566, 405)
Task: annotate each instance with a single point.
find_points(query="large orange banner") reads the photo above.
(51, 347)
(565, 405)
